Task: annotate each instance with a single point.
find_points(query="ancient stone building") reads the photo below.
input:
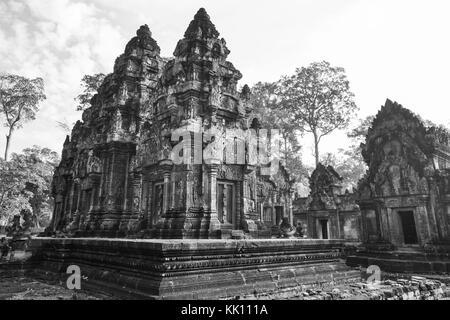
(404, 197)
(168, 150)
(328, 212)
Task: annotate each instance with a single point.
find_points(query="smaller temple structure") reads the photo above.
(328, 212)
(405, 195)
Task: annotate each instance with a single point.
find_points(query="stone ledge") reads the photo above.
(175, 269)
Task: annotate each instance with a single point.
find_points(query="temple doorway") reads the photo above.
(408, 227)
(226, 207)
(279, 214)
(324, 228)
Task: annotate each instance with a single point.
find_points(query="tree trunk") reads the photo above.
(285, 151)
(316, 147)
(8, 139)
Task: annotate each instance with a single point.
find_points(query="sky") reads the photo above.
(397, 49)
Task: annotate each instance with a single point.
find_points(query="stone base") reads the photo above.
(403, 260)
(195, 269)
(194, 224)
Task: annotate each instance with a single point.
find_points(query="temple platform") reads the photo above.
(407, 259)
(194, 269)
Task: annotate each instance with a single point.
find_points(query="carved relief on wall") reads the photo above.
(134, 163)
(215, 98)
(94, 164)
(230, 172)
(166, 149)
(136, 202)
(249, 205)
(179, 193)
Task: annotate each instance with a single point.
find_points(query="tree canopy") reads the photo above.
(349, 162)
(90, 85)
(26, 184)
(265, 102)
(19, 102)
(319, 99)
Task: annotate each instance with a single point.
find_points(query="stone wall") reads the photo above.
(196, 269)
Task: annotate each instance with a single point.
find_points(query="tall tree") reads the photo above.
(19, 102)
(90, 85)
(319, 99)
(265, 102)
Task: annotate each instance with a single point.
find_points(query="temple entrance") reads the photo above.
(279, 214)
(267, 215)
(408, 227)
(226, 203)
(324, 228)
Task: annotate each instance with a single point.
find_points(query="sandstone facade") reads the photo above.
(328, 212)
(131, 166)
(404, 197)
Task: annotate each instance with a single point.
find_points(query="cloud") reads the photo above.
(396, 49)
(60, 41)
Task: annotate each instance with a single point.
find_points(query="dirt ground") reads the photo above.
(26, 288)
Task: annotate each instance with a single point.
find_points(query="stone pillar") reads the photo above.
(247, 222)
(446, 214)
(212, 180)
(274, 211)
(71, 199)
(214, 223)
(291, 206)
(166, 166)
(338, 223)
(95, 180)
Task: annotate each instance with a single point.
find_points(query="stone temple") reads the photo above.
(131, 166)
(404, 197)
(169, 189)
(400, 210)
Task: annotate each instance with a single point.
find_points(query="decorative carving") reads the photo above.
(126, 135)
(325, 185)
(94, 163)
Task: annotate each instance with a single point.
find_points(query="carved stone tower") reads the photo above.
(146, 159)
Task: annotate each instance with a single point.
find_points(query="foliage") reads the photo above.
(13, 197)
(349, 165)
(19, 100)
(359, 133)
(318, 99)
(266, 108)
(349, 162)
(26, 184)
(90, 85)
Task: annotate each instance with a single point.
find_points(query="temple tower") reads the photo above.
(163, 150)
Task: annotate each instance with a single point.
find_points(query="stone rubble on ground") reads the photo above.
(405, 288)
